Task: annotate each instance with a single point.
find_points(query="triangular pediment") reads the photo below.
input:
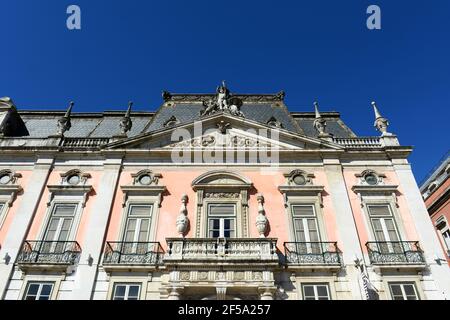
(226, 132)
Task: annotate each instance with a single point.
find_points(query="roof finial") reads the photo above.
(381, 123)
(64, 123)
(320, 123)
(126, 123)
(316, 108)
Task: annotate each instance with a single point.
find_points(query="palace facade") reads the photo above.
(213, 196)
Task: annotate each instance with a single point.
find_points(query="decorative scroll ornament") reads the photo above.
(64, 123)
(182, 220)
(223, 102)
(381, 123)
(126, 123)
(261, 219)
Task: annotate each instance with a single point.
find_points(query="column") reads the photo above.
(23, 219)
(428, 241)
(345, 222)
(95, 232)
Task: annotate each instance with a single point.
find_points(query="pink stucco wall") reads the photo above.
(11, 212)
(358, 213)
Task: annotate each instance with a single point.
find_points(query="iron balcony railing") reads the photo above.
(312, 253)
(222, 250)
(400, 252)
(49, 252)
(133, 253)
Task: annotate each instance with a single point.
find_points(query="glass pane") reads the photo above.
(226, 224)
(396, 290)
(303, 210)
(64, 210)
(411, 297)
(300, 236)
(120, 291)
(140, 210)
(226, 234)
(33, 289)
(381, 210)
(51, 230)
(221, 209)
(131, 228)
(214, 234)
(308, 291)
(322, 291)
(409, 289)
(133, 292)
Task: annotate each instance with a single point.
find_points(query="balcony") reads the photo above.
(222, 251)
(312, 255)
(396, 254)
(132, 255)
(48, 254)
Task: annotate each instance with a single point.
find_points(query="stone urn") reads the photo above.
(182, 220)
(261, 219)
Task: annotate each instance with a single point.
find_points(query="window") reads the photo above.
(385, 229)
(126, 291)
(221, 220)
(138, 223)
(305, 228)
(318, 291)
(446, 236)
(403, 291)
(59, 227)
(38, 291)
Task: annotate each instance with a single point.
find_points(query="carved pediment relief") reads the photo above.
(9, 186)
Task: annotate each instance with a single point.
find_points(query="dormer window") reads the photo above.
(171, 122)
(274, 123)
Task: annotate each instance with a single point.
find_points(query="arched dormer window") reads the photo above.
(222, 205)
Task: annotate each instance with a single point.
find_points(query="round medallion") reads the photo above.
(145, 179)
(74, 179)
(4, 179)
(299, 180)
(371, 179)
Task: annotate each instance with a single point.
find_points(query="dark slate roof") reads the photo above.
(185, 108)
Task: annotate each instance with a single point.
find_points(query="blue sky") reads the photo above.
(314, 50)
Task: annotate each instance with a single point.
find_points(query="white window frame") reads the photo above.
(63, 200)
(3, 211)
(222, 218)
(315, 285)
(138, 224)
(126, 279)
(402, 284)
(40, 284)
(56, 279)
(154, 215)
(383, 221)
(127, 289)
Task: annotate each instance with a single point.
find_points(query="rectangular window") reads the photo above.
(126, 291)
(317, 291)
(384, 228)
(446, 236)
(221, 220)
(403, 291)
(59, 227)
(306, 228)
(137, 229)
(38, 291)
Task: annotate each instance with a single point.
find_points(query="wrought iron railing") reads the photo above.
(400, 252)
(216, 249)
(312, 253)
(133, 253)
(49, 252)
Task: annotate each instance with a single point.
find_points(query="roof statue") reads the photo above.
(223, 102)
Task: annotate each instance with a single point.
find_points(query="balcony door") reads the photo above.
(385, 229)
(59, 228)
(306, 229)
(221, 220)
(137, 228)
